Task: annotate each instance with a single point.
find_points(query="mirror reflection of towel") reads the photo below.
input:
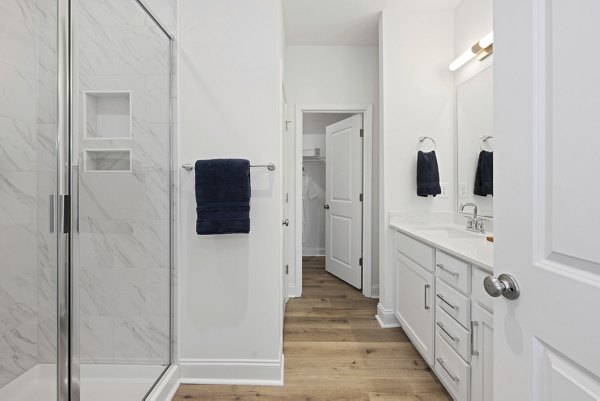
(484, 175)
(428, 175)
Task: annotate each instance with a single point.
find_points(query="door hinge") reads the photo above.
(360, 261)
(287, 197)
(287, 269)
(360, 197)
(362, 132)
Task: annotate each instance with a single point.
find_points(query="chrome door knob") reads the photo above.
(505, 285)
(285, 222)
(326, 206)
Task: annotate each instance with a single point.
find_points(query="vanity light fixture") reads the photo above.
(481, 50)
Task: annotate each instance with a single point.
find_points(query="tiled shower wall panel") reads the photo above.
(27, 178)
(124, 222)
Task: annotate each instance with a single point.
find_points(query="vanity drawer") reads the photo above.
(455, 335)
(453, 271)
(478, 294)
(416, 251)
(456, 304)
(452, 370)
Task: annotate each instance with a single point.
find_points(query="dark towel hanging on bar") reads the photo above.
(222, 196)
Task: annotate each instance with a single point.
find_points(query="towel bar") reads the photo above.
(270, 166)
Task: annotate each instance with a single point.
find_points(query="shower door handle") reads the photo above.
(51, 214)
(64, 214)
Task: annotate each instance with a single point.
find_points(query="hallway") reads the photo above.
(335, 350)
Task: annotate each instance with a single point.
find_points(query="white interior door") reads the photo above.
(343, 227)
(547, 220)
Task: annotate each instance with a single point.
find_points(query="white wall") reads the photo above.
(418, 99)
(230, 106)
(333, 75)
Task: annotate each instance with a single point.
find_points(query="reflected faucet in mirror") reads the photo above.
(473, 223)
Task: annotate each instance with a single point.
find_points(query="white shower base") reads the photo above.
(98, 383)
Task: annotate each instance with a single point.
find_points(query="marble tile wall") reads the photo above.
(124, 242)
(27, 178)
(124, 218)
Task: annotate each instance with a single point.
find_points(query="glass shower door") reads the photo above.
(28, 199)
(122, 154)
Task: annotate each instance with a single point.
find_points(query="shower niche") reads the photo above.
(117, 160)
(107, 115)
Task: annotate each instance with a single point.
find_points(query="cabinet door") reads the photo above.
(414, 304)
(482, 351)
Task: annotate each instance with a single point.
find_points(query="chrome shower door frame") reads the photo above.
(63, 147)
(67, 207)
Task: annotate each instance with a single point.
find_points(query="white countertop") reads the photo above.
(475, 249)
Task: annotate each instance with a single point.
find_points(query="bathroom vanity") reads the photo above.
(441, 303)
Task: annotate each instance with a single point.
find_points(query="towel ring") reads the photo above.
(423, 139)
(485, 139)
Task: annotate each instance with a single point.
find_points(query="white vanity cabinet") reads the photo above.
(414, 304)
(442, 306)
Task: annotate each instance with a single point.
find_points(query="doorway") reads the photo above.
(333, 197)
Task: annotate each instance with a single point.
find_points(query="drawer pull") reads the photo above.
(474, 352)
(425, 291)
(454, 338)
(440, 296)
(441, 266)
(442, 364)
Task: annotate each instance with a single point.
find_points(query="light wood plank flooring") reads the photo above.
(335, 350)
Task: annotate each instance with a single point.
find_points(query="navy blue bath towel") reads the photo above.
(222, 196)
(428, 175)
(484, 175)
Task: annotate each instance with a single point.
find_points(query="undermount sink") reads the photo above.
(451, 232)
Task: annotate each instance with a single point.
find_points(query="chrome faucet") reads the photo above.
(473, 223)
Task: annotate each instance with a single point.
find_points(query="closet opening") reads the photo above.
(333, 181)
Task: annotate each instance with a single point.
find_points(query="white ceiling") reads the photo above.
(343, 22)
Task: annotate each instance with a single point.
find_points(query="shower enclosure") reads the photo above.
(85, 200)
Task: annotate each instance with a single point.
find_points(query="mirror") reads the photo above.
(475, 143)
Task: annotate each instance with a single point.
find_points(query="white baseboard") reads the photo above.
(375, 291)
(386, 317)
(313, 251)
(292, 291)
(232, 372)
(167, 386)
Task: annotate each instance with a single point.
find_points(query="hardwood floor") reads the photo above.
(335, 350)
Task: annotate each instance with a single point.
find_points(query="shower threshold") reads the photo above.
(98, 383)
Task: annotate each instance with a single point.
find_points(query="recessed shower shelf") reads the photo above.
(117, 160)
(107, 115)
